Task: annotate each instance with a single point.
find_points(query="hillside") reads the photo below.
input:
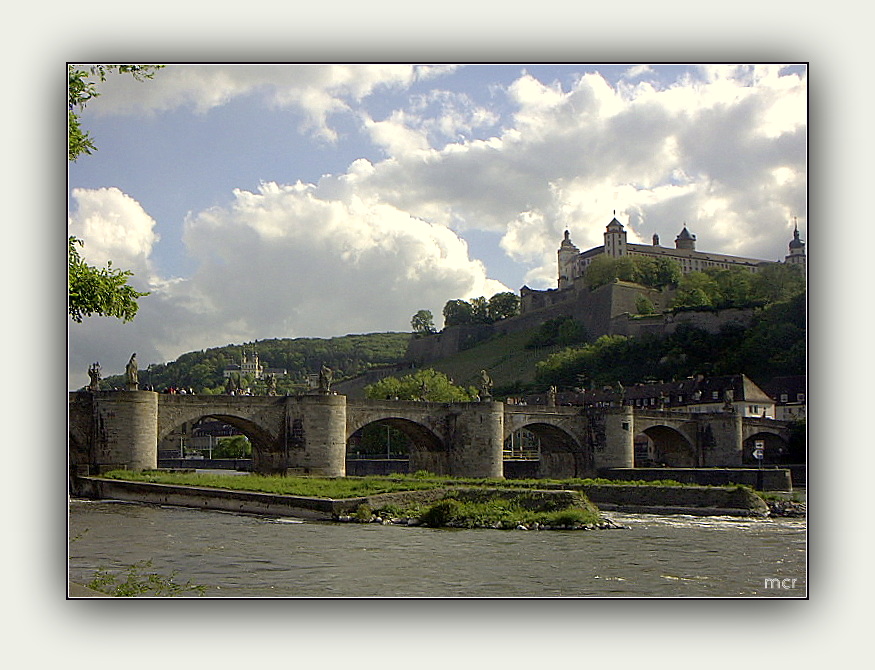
(773, 345)
(347, 356)
(504, 357)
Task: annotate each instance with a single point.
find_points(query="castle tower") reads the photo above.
(684, 240)
(567, 254)
(615, 239)
(797, 249)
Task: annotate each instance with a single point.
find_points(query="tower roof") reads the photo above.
(685, 234)
(615, 225)
(796, 243)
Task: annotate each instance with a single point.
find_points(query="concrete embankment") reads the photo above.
(697, 500)
(700, 500)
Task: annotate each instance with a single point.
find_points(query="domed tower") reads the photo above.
(797, 249)
(615, 239)
(684, 240)
(567, 254)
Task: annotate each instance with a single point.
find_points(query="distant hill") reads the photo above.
(347, 356)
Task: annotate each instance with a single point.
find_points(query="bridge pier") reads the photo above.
(619, 441)
(722, 440)
(123, 431)
(315, 435)
(477, 441)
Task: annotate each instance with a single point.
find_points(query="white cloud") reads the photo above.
(283, 262)
(114, 228)
(722, 151)
(318, 90)
(704, 151)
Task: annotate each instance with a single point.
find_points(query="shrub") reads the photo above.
(441, 513)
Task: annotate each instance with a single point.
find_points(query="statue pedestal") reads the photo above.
(132, 387)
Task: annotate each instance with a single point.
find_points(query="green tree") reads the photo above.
(423, 322)
(778, 282)
(732, 287)
(457, 313)
(644, 305)
(94, 291)
(696, 289)
(82, 89)
(480, 310)
(503, 306)
(424, 384)
(100, 291)
(657, 272)
(236, 446)
(605, 270)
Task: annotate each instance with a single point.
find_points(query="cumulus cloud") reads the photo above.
(114, 228)
(721, 149)
(317, 90)
(723, 152)
(284, 262)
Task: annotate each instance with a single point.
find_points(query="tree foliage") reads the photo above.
(235, 446)
(348, 356)
(81, 89)
(480, 310)
(92, 290)
(424, 384)
(644, 270)
(423, 322)
(101, 291)
(774, 346)
(562, 331)
(720, 288)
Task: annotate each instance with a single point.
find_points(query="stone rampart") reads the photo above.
(608, 310)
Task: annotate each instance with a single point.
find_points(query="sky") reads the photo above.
(259, 201)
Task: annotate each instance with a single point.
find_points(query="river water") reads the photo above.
(248, 556)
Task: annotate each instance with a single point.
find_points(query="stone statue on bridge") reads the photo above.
(94, 373)
(485, 385)
(325, 378)
(271, 384)
(131, 374)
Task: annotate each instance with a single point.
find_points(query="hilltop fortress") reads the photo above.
(609, 309)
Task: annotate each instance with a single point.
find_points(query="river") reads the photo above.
(249, 556)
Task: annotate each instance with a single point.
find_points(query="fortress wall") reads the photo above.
(608, 310)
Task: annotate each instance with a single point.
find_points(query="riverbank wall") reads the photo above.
(697, 500)
(773, 479)
(693, 500)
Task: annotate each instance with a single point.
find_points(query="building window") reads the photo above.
(715, 395)
(800, 397)
(784, 397)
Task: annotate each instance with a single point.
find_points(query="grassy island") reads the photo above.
(419, 499)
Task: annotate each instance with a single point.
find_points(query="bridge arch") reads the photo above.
(421, 448)
(268, 454)
(560, 455)
(669, 446)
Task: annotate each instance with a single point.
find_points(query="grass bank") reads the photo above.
(454, 502)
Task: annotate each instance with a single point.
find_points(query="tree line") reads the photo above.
(203, 371)
(773, 346)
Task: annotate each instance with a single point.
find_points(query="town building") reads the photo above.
(726, 393)
(789, 394)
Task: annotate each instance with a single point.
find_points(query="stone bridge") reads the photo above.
(309, 434)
